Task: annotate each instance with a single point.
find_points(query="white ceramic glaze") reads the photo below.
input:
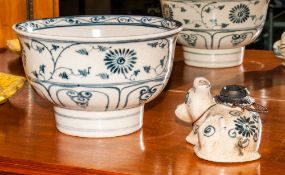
(279, 48)
(98, 71)
(221, 132)
(213, 58)
(216, 30)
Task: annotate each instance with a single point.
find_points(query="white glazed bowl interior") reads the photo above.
(98, 71)
(221, 26)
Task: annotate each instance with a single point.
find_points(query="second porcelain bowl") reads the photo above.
(98, 71)
(216, 31)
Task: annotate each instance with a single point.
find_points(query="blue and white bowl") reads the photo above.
(279, 48)
(216, 31)
(98, 71)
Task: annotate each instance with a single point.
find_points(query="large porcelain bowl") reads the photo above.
(98, 71)
(216, 31)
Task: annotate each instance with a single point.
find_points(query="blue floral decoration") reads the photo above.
(120, 61)
(239, 13)
(245, 126)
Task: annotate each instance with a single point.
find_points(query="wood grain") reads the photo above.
(13, 11)
(46, 8)
(31, 144)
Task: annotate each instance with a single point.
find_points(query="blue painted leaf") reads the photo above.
(221, 7)
(102, 48)
(72, 21)
(162, 61)
(253, 17)
(28, 45)
(55, 47)
(162, 45)
(98, 18)
(34, 25)
(82, 52)
(103, 76)
(48, 21)
(224, 25)
(153, 44)
(186, 21)
(35, 74)
(40, 49)
(198, 5)
(42, 68)
(146, 69)
(136, 72)
(197, 25)
(63, 75)
(208, 10)
(84, 72)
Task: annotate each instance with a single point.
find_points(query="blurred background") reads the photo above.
(20, 10)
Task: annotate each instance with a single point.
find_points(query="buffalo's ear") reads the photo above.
(182, 112)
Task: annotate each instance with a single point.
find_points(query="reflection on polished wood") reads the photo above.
(30, 143)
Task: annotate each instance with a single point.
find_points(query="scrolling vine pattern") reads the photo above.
(200, 31)
(239, 13)
(93, 20)
(117, 61)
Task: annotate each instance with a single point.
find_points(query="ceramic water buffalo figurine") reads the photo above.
(227, 127)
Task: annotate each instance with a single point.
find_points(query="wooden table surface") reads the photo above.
(31, 144)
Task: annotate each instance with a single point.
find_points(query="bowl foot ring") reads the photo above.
(98, 124)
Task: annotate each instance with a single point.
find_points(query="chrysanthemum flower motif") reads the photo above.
(245, 126)
(239, 13)
(167, 11)
(120, 61)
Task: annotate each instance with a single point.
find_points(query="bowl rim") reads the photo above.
(27, 28)
(195, 1)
